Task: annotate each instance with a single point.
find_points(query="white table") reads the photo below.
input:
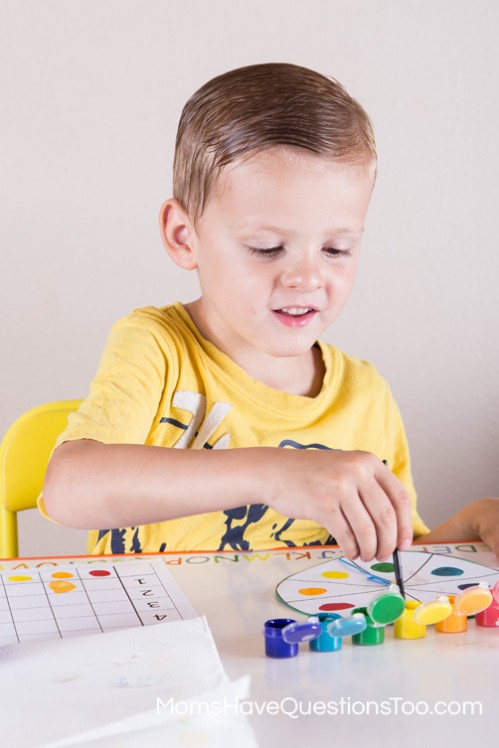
(236, 592)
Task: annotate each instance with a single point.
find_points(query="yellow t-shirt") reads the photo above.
(161, 383)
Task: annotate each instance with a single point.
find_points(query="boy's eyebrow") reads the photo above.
(279, 230)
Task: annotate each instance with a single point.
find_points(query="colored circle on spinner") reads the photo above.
(386, 608)
(335, 574)
(385, 567)
(335, 607)
(99, 573)
(312, 591)
(62, 575)
(447, 571)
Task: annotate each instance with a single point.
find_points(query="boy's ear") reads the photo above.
(178, 234)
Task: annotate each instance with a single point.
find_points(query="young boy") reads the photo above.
(226, 423)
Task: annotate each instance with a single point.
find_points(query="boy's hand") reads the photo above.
(485, 521)
(352, 494)
(477, 520)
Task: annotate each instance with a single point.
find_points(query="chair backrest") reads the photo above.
(24, 456)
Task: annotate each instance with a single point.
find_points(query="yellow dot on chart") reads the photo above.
(335, 574)
(312, 591)
(62, 586)
(20, 578)
(62, 575)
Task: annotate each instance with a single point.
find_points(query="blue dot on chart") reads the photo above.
(466, 586)
(447, 571)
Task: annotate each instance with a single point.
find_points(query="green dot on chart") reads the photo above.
(385, 566)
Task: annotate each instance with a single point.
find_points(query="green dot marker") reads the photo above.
(372, 634)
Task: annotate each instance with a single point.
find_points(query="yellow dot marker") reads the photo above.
(20, 578)
(406, 627)
(335, 574)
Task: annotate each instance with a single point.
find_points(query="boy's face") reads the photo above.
(277, 250)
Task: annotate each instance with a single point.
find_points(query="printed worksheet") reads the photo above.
(72, 600)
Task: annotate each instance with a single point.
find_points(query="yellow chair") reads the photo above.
(24, 456)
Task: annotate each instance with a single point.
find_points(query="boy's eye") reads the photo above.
(334, 252)
(264, 251)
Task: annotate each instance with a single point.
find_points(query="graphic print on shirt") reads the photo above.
(241, 518)
(195, 404)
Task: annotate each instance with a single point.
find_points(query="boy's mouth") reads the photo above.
(295, 316)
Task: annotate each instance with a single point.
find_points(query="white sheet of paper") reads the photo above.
(90, 688)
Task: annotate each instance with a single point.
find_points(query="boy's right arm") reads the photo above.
(354, 496)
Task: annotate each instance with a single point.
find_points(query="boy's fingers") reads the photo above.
(401, 502)
(384, 519)
(344, 535)
(363, 528)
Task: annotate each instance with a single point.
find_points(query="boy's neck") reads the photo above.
(303, 376)
(298, 375)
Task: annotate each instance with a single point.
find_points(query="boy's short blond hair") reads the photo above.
(254, 108)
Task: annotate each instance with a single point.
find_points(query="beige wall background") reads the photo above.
(90, 95)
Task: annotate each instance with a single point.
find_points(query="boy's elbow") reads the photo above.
(62, 487)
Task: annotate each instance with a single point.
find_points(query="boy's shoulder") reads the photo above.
(169, 322)
(164, 317)
(352, 373)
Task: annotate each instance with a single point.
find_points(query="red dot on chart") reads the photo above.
(99, 573)
(335, 606)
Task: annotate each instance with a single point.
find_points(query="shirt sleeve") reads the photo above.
(124, 396)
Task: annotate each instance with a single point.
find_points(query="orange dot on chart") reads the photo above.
(335, 574)
(62, 586)
(312, 591)
(62, 575)
(19, 578)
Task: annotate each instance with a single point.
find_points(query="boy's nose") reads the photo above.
(305, 276)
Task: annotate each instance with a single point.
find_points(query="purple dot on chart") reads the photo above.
(465, 586)
(447, 571)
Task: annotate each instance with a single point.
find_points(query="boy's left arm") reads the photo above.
(477, 520)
